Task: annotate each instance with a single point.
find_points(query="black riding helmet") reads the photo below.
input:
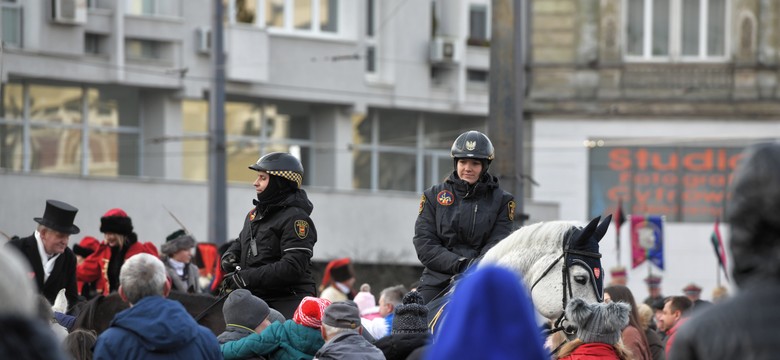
(282, 165)
(473, 145)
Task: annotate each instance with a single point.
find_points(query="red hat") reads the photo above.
(339, 269)
(309, 312)
(692, 290)
(116, 221)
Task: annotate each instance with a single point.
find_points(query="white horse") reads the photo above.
(557, 261)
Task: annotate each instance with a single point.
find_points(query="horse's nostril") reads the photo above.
(580, 279)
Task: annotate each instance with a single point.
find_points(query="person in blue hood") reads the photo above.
(153, 327)
(490, 316)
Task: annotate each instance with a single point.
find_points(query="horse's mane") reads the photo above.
(528, 246)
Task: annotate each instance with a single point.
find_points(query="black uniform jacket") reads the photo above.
(63, 275)
(275, 249)
(455, 223)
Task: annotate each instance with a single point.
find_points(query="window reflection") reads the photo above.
(329, 15)
(274, 13)
(55, 150)
(55, 104)
(251, 129)
(302, 14)
(397, 171)
(11, 147)
(56, 116)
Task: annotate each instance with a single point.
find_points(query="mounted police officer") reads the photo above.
(275, 246)
(463, 217)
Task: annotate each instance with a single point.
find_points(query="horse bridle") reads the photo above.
(558, 325)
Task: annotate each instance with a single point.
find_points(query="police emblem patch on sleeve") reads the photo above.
(422, 204)
(511, 205)
(301, 228)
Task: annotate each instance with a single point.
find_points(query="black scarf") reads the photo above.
(117, 260)
(278, 188)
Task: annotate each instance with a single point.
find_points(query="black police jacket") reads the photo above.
(275, 249)
(457, 224)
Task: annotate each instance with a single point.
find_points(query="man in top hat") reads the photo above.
(52, 262)
(654, 289)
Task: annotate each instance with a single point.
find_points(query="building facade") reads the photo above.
(649, 102)
(105, 104)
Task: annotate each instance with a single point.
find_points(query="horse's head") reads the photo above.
(558, 261)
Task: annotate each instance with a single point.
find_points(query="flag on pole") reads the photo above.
(647, 240)
(720, 251)
(619, 219)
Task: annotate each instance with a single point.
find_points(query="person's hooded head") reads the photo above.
(491, 300)
(754, 214)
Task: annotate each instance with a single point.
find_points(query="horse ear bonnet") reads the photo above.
(599, 322)
(583, 247)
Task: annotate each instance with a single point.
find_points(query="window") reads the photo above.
(148, 51)
(251, 129)
(94, 44)
(313, 16)
(479, 29)
(676, 29)
(404, 150)
(11, 13)
(153, 8)
(72, 129)
(371, 41)
(476, 76)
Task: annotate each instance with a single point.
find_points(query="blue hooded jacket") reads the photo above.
(490, 316)
(156, 328)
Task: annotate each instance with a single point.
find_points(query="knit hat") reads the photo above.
(342, 314)
(338, 270)
(178, 240)
(86, 246)
(364, 299)
(116, 221)
(243, 308)
(309, 312)
(599, 322)
(411, 317)
(275, 316)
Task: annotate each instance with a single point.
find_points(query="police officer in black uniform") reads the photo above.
(463, 217)
(275, 246)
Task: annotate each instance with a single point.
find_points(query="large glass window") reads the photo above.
(72, 130)
(676, 29)
(251, 129)
(313, 16)
(405, 150)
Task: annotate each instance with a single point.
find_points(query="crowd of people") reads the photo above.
(273, 309)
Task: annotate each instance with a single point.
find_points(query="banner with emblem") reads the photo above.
(647, 240)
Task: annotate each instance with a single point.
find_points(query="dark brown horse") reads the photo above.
(97, 313)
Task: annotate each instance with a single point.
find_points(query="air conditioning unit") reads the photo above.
(203, 40)
(69, 11)
(443, 51)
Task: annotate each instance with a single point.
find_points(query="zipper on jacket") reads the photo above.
(474, 220)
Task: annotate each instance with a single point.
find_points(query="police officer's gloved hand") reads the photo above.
(464, 264)
(229, 262)
(236, 280)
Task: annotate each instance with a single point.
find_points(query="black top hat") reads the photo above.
(59, 216)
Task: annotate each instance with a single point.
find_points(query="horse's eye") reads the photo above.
(581, 279)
